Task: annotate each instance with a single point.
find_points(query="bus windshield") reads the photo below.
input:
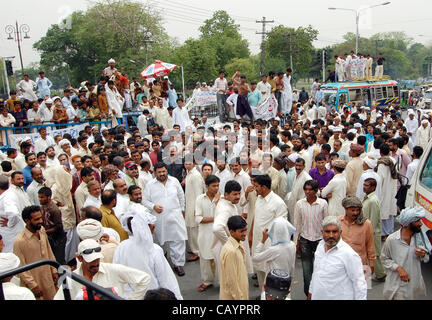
(330, 98)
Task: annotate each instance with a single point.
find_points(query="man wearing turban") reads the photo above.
(401, 256)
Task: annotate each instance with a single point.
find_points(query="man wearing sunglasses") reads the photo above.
(106, 275)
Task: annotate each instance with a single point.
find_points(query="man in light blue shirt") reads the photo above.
(255, 96)
(319, 95)
(43, 85)
(172, 96)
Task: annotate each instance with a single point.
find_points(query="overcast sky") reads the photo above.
(183, 18)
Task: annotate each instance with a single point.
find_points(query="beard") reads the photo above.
(331, 242)
(36, 227)
(414, 229)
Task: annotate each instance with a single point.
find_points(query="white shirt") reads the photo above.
(123, 202)
(13, 292)
(224, 177)
(265, 89)
(338, 274)
(411, 169)
(170, 225)
(32, 115)
(92, 201)
(112, 275)
(32, 192)
(11, 210)
(266, 210)
(41, 145)
(181, 117)
(205, 208)
(28, 87)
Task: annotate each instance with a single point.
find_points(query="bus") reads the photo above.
(381, 93)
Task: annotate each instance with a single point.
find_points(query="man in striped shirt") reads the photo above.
(308, 216)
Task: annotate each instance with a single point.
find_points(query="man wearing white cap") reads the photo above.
(423, 134)
(412, 125)
(93, 229)
(106, 275)
(11, 291)
(110, 70)
(369, 165)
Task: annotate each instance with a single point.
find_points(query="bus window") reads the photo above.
(355, 95)
(342, 99)
(384, 91)
(329, 98)
(390, 92)
(426, 175)
(396, 91)
(378, 93)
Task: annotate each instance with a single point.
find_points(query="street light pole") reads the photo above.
(357, 12)
(17, 31)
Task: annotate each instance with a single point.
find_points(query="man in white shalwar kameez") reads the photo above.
(335, 191)
(27, 87)
(194, 187)
(423, 134)
(297, 191)
(369, 165)
(204, 215)
(115, 100)
(11, 223)
(387, 172)
(411, 125)
(268, 207)
(139, 252)
(164, 197)
(401, 256)
(287, 93)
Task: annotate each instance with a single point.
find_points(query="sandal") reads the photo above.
(192, 258)
(204, 287)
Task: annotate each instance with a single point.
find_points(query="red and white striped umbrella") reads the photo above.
(158, 69)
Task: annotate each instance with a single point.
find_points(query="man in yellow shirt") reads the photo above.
(109, 219)
(234, 284)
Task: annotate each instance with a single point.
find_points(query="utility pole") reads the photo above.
(263, 33)
(323, 64)
(290, 35)
(377, 42)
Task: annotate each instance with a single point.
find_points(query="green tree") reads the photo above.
(198, 60)
(224, 36)
(109, 29)
(250, 67)
(278, 45)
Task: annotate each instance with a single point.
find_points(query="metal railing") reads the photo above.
(63, 274)
(35, 127)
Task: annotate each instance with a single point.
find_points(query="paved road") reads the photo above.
(190, 282)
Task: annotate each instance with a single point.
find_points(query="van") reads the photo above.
(420, 191)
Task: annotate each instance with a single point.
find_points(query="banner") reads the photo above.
(205, 98)
(73, 131)
(267, 109)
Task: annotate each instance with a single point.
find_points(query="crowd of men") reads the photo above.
(245, 198)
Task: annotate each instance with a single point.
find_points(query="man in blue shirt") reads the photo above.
(43, 85)
(172, 96)
(254, 97)
(319, 95)
(369, 136)
(31, 161)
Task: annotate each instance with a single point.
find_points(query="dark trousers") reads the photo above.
(221, 103)
(58, 244)
(307, 251)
